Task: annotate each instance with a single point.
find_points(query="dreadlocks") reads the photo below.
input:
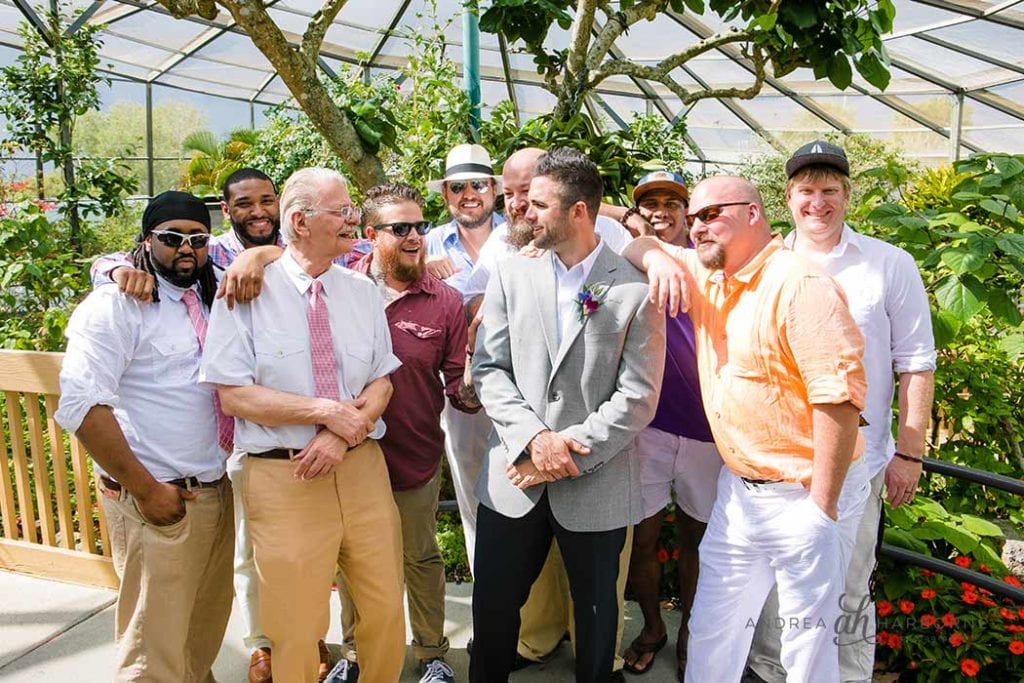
(207, 279)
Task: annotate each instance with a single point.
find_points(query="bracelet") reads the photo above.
(630, 212)
(909, 458)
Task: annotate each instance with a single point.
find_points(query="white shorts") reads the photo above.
(690, 467)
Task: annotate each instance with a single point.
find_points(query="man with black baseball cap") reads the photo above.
(130, 393)
(889, 305)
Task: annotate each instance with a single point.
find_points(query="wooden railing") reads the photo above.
(52, 522)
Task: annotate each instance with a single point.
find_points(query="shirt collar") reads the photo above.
(450, 230)
(299, 277)
(173, 292)
(586, 265)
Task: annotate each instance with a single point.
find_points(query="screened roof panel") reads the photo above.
(938, 48)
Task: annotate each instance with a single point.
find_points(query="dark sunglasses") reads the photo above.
(401, 229)
(712, 211)
(174, 240)
(480, 185)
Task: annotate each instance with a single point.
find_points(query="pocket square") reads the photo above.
(418, 330)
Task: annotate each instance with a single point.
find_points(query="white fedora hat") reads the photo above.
(466, 162)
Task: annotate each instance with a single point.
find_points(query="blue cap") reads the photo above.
(661, 180)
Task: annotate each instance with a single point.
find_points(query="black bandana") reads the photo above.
(174, 205)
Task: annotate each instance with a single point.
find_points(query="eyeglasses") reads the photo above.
(480, 185)
(712, 211)
(174, 240)
(401, 229)
(349, 213)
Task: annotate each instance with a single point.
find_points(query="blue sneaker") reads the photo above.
(436, 671)
(343, 672)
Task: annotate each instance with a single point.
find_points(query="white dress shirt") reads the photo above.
(497, 248)
(889, 304)
(143, 361)
(266, 342)
(568, 284)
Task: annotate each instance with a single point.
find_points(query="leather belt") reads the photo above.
(276, 454)
(187, 483)
(754, 483)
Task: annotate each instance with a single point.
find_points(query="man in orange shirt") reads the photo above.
(780, 364)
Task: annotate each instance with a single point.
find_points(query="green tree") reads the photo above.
(53, 82)
(214, 160)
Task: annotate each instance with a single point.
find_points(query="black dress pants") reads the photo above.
(510, 553)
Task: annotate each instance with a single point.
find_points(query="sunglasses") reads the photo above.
(174, 240)
(480, 185)
(401, 229)
(712, 211)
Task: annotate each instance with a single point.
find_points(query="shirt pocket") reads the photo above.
(282, 362)
(754, 404)
(417, 344)
(174, 359)
(356, 364)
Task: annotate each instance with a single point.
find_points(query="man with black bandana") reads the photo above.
(130, 393)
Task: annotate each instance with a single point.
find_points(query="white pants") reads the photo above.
(856, 638)
(465, 445)
(760, 536)
(246, 584)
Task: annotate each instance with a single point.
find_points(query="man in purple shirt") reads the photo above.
(677, 451)
(428, 334)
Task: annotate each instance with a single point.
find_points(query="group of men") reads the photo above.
(298, 424)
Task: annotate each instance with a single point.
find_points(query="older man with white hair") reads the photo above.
(304, 369)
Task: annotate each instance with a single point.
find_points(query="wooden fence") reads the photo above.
(53, 525)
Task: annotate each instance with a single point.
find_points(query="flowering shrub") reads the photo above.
(932, 628)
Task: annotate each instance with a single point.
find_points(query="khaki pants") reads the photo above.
(424, 575)
(175, 596)
(299, 531)
(547, 614)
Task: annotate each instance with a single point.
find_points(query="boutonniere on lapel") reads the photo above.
(589, 299)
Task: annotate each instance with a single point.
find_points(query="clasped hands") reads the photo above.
(549, 460)
(345, 426)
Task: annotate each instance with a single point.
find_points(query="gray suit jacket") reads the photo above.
(600, 387)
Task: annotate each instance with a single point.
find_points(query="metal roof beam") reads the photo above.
(80, 20)
(506, 66)
(998, 102)
(995, 13)
(387, 33)
(35, 20)
(188, 50)
(967, 52)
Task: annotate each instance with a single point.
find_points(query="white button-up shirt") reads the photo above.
(497, 248)
(142, 360)
(266, 342)
(568, 284)
(889, 304)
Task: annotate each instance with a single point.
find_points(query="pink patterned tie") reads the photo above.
(225, 424)
(321, 344)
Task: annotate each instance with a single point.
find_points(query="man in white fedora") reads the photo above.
(469, 188)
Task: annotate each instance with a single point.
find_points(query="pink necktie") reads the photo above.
(225, 424)
(321, 345)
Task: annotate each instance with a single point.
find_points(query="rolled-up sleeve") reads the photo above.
(906, 303)
(102, 334)
(825, 342)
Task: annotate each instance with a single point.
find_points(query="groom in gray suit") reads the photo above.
(563, 367)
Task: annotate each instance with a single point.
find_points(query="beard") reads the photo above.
(470, 222)
(175, 275)
(520, 233)
(257, 240)
(712, 257)
(391, 264)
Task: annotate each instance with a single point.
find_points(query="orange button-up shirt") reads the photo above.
(773, 340)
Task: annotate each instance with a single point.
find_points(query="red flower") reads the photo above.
(969, 598)
(1020, 613)
(1012, 580)
(882, 638)
(988, 603)
(968, 587)
(928, 593)
(969, 668)
(906, 606)
(895, 641)
(963, 561)
(675, 553)
(884, 608)
(948, 620)
(983, 568)
(1014, 628)
(1017, 647)
(1008, 614)
(956, 640)
(662, 555)
(927, 573)
(928, 620)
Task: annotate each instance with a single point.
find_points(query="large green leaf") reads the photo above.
(961, 539)
(1013, 345)
(839, 71)
(1011, 243)
(962, 261)
(987, 556)
(1001, 305)
(902, 539)
(1008, 166)
(981, 527)
(963, 297)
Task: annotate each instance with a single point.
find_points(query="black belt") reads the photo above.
(277, 454)
(761, 481)
(187, 483)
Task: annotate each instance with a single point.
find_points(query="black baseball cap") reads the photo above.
(818, 153)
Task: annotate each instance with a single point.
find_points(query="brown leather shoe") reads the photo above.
(259, 666)
(325, 660)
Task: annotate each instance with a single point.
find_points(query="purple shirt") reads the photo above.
(428, 334)
(680, 409)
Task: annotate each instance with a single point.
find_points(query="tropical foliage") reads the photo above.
(214, 160)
